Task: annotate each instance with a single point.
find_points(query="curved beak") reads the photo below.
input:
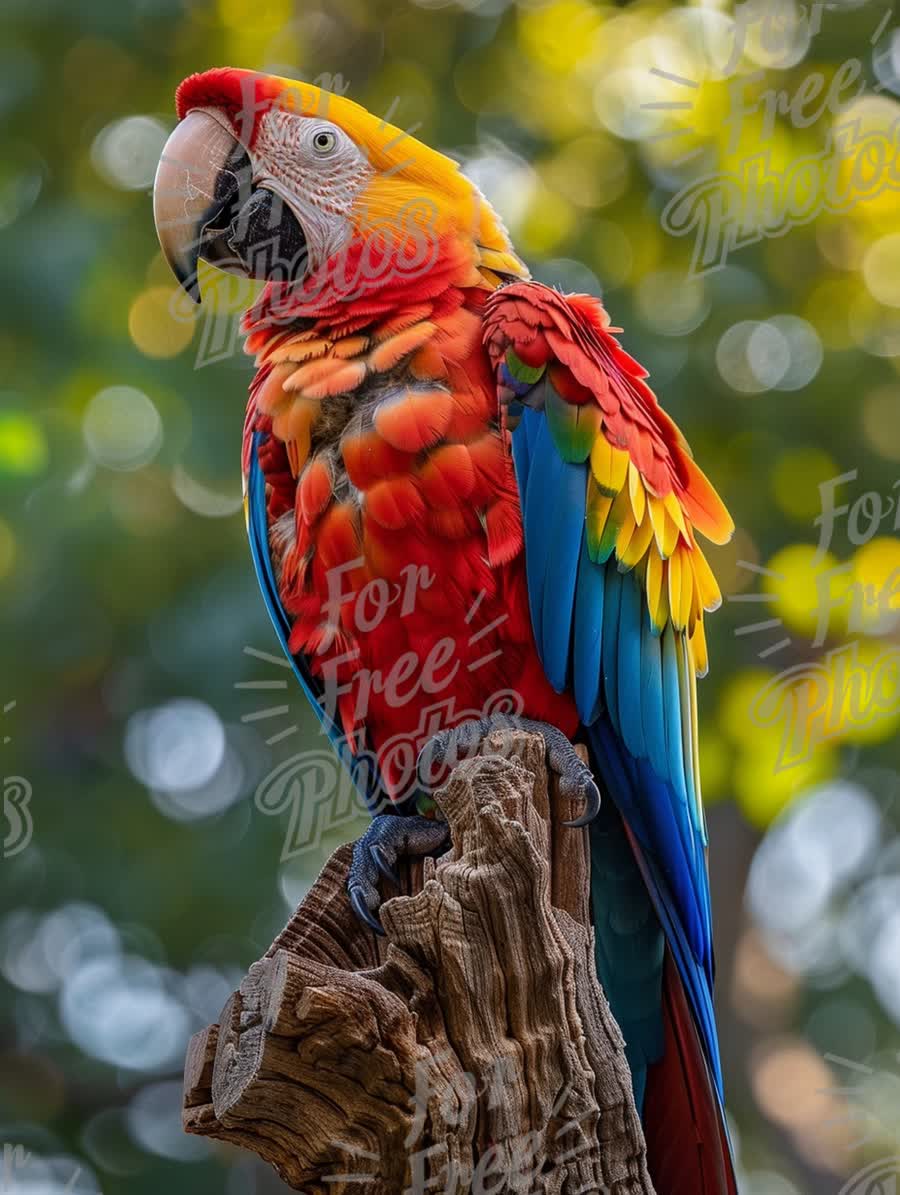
(205, 205)
(202, 172)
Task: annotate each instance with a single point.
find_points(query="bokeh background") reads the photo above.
(135, 640)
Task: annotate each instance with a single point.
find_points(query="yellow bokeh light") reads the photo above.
(806, 590)
(876, 571)
(795, 720)
(866, 692)
(558, 35)
(864, 176)
(764, 785)
(736, 151)
(696, 126)
(154, 326)
(739, 696)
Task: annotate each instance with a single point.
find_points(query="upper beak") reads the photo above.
(201, 174)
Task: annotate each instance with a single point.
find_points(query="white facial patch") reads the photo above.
(318, 171)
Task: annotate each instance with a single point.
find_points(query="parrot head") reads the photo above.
(275, 179)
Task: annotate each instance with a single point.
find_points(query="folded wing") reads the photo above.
(618, 584)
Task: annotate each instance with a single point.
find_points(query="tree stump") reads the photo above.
(470, 1049)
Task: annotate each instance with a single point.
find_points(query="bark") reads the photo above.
(470, 1049)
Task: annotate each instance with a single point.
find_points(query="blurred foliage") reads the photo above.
(153, 879)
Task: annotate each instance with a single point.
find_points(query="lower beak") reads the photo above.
(205, 205)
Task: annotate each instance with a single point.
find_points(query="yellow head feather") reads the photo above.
(408, 175)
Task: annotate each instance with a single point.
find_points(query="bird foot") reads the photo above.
(575, 779)
(389, 837)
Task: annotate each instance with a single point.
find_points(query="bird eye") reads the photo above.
(324, 141)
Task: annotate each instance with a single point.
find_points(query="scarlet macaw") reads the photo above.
(460, 486)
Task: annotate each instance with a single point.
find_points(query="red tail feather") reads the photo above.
(688, 1151)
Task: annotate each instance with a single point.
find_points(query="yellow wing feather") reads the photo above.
(654, 536)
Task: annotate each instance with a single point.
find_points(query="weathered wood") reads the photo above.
(470, 1049)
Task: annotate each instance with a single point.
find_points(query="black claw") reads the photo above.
(388, 838)
(382, 863)
(592, 797)
(362, 910)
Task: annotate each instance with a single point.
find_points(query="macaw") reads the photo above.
(465, 505)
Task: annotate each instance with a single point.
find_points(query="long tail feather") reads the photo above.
(688, 1150)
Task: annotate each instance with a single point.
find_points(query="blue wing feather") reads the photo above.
(672, 707)
(652, 710)
(629, 665)
(521, 447)
(565, 517)
(588, 636)
(633, 693)
(610, 660)
(536, 504)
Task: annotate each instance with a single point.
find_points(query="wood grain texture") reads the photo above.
(470, 1049)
